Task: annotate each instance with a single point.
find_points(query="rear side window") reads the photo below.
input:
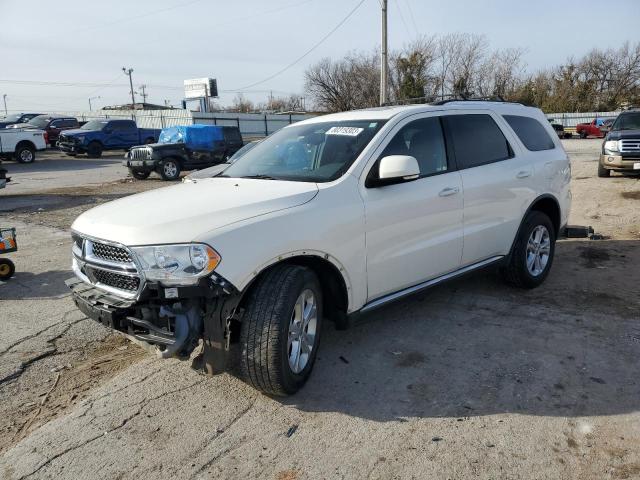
(477, 140)
(530, 132)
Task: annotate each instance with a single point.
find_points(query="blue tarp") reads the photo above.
(193, 136)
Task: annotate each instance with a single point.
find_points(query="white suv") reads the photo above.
(326, 218)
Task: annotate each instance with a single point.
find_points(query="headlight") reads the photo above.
(177, 264)
(79, 138)
(611, 145)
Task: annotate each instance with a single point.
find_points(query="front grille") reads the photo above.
(630, 145)
(106, 266)
(140, 154)
(116, 280)
(111, 253)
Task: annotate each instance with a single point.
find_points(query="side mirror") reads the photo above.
(397, 169)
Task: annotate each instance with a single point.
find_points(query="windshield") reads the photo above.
(94, 125)
(240, 153)
(39, 122)
(627, 121)
(12, 118)
(317, 152)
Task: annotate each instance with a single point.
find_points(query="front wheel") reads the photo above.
(280, 330)
(7, 269)
(532, 255)
(603, 172)
(94, 150)
(25, 154)
(170, 169)
(139, 174)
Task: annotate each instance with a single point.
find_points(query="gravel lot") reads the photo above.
(472, 379)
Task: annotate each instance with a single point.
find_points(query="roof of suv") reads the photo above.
(385, 113)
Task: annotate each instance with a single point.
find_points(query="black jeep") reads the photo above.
(181, 148)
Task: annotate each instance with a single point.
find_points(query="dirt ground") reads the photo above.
(472, 379)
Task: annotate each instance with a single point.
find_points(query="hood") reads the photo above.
(623, 134)
(76, 131)
(186, 212)
(164, 146)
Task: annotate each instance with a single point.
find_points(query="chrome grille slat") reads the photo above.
(115, 280)
(111, 253)
(630, 145)
(140, 154)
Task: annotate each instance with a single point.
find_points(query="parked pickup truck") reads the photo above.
(325, 219)
(96, 136)
(53, 125)
(597, 128)
(16, 118)
(184, 148)
(21, 144)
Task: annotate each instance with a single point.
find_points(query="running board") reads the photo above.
(429, 283)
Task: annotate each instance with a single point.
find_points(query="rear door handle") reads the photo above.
(449, 191)
(523, 174)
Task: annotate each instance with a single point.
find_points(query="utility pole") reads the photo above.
(92, 98)
(133, 98)
(144, 93)
(4, 99)
(384, 65)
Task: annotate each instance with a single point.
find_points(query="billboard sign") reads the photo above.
(200, 87)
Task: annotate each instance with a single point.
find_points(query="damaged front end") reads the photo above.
(110, 288)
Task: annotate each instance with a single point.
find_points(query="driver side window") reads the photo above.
(422, 139)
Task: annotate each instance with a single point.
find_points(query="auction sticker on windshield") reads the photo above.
(348, 131)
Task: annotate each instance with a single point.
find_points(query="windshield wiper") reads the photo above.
(260, 177)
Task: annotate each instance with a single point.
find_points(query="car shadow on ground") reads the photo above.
(27, 203)
(27, 285)
(56, 165)
(477, 347)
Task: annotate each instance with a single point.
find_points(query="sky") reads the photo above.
(84, 44)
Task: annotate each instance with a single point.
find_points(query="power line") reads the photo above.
(308, 51)
(413, 19)
(406, 27)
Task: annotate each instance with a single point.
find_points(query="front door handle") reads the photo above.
(449, 191)
(524, 174)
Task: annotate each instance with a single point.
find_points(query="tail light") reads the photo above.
(46, 137)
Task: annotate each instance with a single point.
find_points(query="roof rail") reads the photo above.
(444, 99)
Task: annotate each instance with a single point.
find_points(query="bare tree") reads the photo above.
(242, 104)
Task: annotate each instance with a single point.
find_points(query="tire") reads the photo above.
(25, 154)
(139, 174)
(518, 271)
(7, 269)
(583, 134)
(169, 169)
(603, 172)
(267, 354)
(94, 150)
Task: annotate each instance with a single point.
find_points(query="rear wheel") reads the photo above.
(583, 134)
(170, 169)
(139, 174)
(94, 150)
(25, 154)
(7, 268)
(532, 255)
(603, 172)
(280, 330)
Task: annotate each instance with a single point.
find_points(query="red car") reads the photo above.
(51, 124)
(597, 128)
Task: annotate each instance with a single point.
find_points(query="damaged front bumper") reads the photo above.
(173, 325)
